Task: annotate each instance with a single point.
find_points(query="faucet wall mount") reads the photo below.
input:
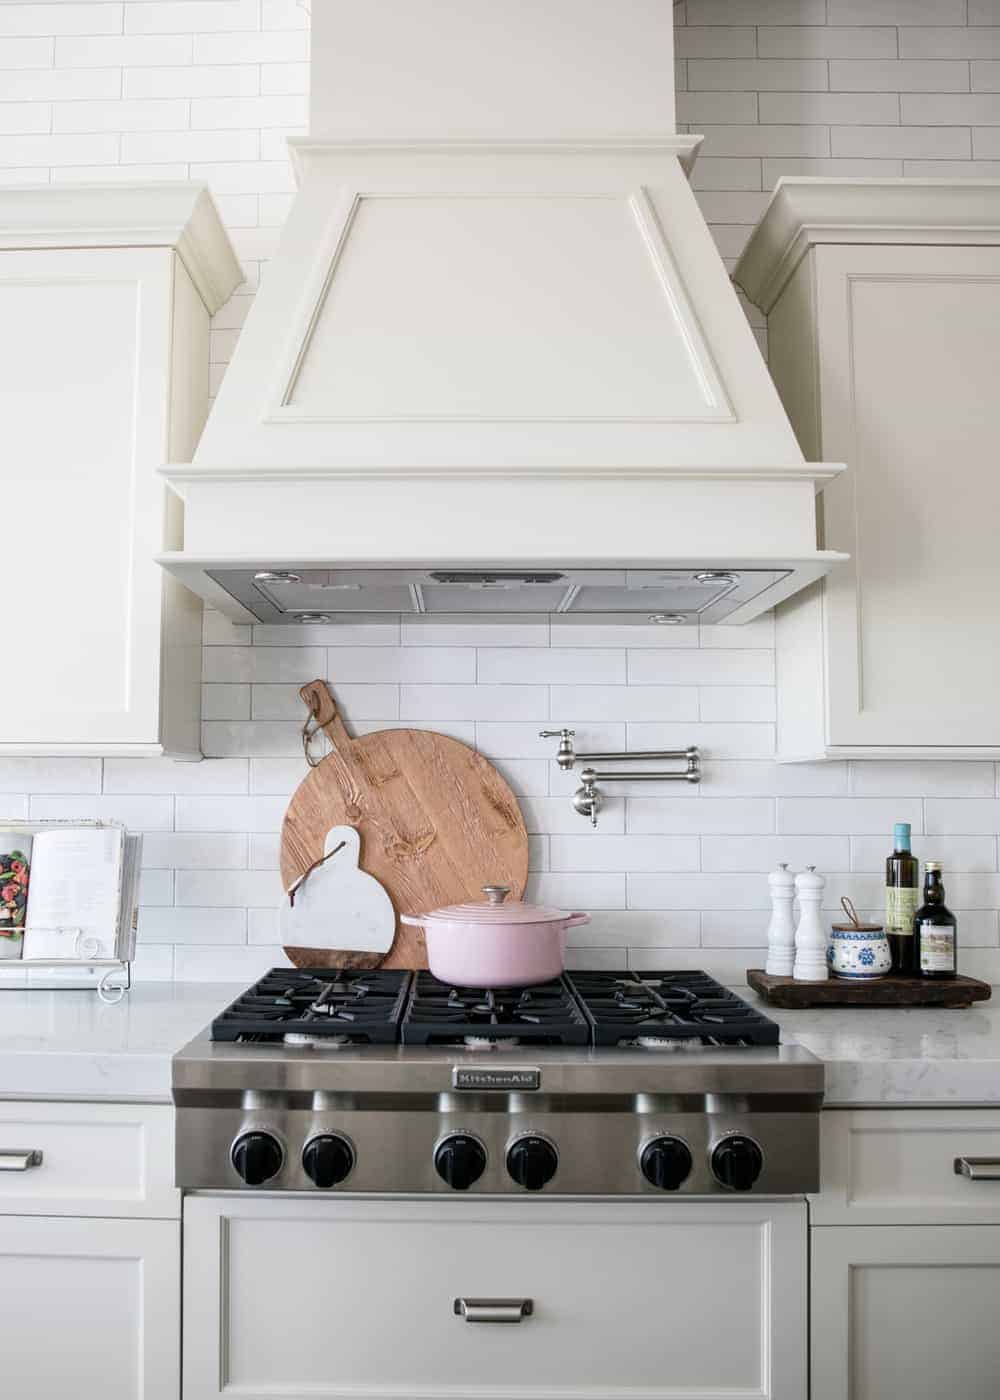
(588, 799)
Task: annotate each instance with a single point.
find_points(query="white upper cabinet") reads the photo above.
(105, 301)
(883, 304)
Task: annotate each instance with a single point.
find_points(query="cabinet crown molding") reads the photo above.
(171, 214)
(807, 210)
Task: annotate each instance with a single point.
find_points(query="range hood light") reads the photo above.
(716, 576)
(277, 576)
(668, 619)
(313, 617)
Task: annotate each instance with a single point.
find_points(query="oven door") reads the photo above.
(294, 1298)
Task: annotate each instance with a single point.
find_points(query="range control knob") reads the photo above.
(257, 1157)
(737, 1162)
(666, 1163)
(460, 1160)
(532, 1162)
(327, 1159)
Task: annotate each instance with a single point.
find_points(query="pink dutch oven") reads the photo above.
(495, 944)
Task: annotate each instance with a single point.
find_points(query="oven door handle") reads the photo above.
(978, 1168)
(494, 1309)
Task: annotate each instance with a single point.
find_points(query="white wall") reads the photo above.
(209, 89)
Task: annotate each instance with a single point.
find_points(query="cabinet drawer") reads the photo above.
(87, 1159)
(898, 1167)
(358, 1298)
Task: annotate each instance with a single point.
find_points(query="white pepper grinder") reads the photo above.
(781, 929)
(810, 936)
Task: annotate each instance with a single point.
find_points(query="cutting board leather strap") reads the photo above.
(323, 714)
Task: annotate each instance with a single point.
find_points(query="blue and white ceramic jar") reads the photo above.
(859, 952)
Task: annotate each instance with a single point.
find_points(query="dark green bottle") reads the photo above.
(935, 929)
(901, 885)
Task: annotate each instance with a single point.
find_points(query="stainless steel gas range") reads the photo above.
(599, 1084)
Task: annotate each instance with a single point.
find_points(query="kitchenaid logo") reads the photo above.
(496, 1078)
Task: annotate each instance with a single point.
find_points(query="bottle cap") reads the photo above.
(932, 865)
(901, 836)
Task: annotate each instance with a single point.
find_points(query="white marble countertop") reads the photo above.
(895, 1056)
(70, 1044)
(67, 1044)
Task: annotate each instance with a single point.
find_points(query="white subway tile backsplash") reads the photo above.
(729, 667)
(433, 702)
(170, 89)
(585, 666)
(764, 853)
(833, 108)
(898, 75)
(60, 18)
(965, 816)
(188, 925)
(137, 813)
(180, 16)
(575, 706)
(359, 701)
(669, 815)
(583, 891)
(711, 891)
(937, 142)
(177, 850)
(963, 853)
(933, 778)
(163, 775)
(824, 41)
(847, 816)
(73, 775)
(608, 853)
(220, 889)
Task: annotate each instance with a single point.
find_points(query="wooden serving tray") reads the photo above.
(883, 991)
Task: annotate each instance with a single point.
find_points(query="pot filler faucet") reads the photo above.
(588, 798)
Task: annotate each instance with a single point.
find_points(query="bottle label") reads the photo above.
(900, 908)
(937, 947)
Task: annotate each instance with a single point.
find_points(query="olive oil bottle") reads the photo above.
(901, 883)
(935, 929)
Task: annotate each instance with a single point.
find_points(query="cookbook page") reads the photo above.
(75, 882)
(15, 864)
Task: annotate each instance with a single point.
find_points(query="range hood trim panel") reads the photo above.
(709, 331)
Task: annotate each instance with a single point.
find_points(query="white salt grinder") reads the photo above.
(781, 929)
(810, 936)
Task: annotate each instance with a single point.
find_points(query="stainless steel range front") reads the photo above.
(598, 1084)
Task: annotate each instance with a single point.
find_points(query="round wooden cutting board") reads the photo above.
(437, 822)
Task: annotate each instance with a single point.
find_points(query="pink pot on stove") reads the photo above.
(493, 944)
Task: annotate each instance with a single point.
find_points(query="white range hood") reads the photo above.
(497, 365)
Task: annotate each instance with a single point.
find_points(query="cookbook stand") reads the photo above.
(111, 978)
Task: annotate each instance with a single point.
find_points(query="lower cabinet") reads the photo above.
(306, 1298)
(89, 1308)
(905, 1312)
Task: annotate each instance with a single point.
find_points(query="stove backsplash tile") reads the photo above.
(674, 879)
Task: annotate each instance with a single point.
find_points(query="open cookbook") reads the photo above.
(68, 891)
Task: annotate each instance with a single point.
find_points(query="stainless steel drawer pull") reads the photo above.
(978, 1168)
(494, 1309)
(18, 1159)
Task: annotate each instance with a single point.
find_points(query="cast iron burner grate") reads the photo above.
(320, 1003)
(646, 1007)
(545, 1014)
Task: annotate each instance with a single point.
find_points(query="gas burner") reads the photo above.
(479, 1042)
(317, 1004)
(439, 1014)
(657, 1009)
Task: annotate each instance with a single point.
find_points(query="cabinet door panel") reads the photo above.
(84, 381)
(905, 1312)
(298, 1299)
(909, 340)
(90, 1308)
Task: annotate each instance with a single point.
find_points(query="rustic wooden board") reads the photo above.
(884, 991)
(437, 822)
